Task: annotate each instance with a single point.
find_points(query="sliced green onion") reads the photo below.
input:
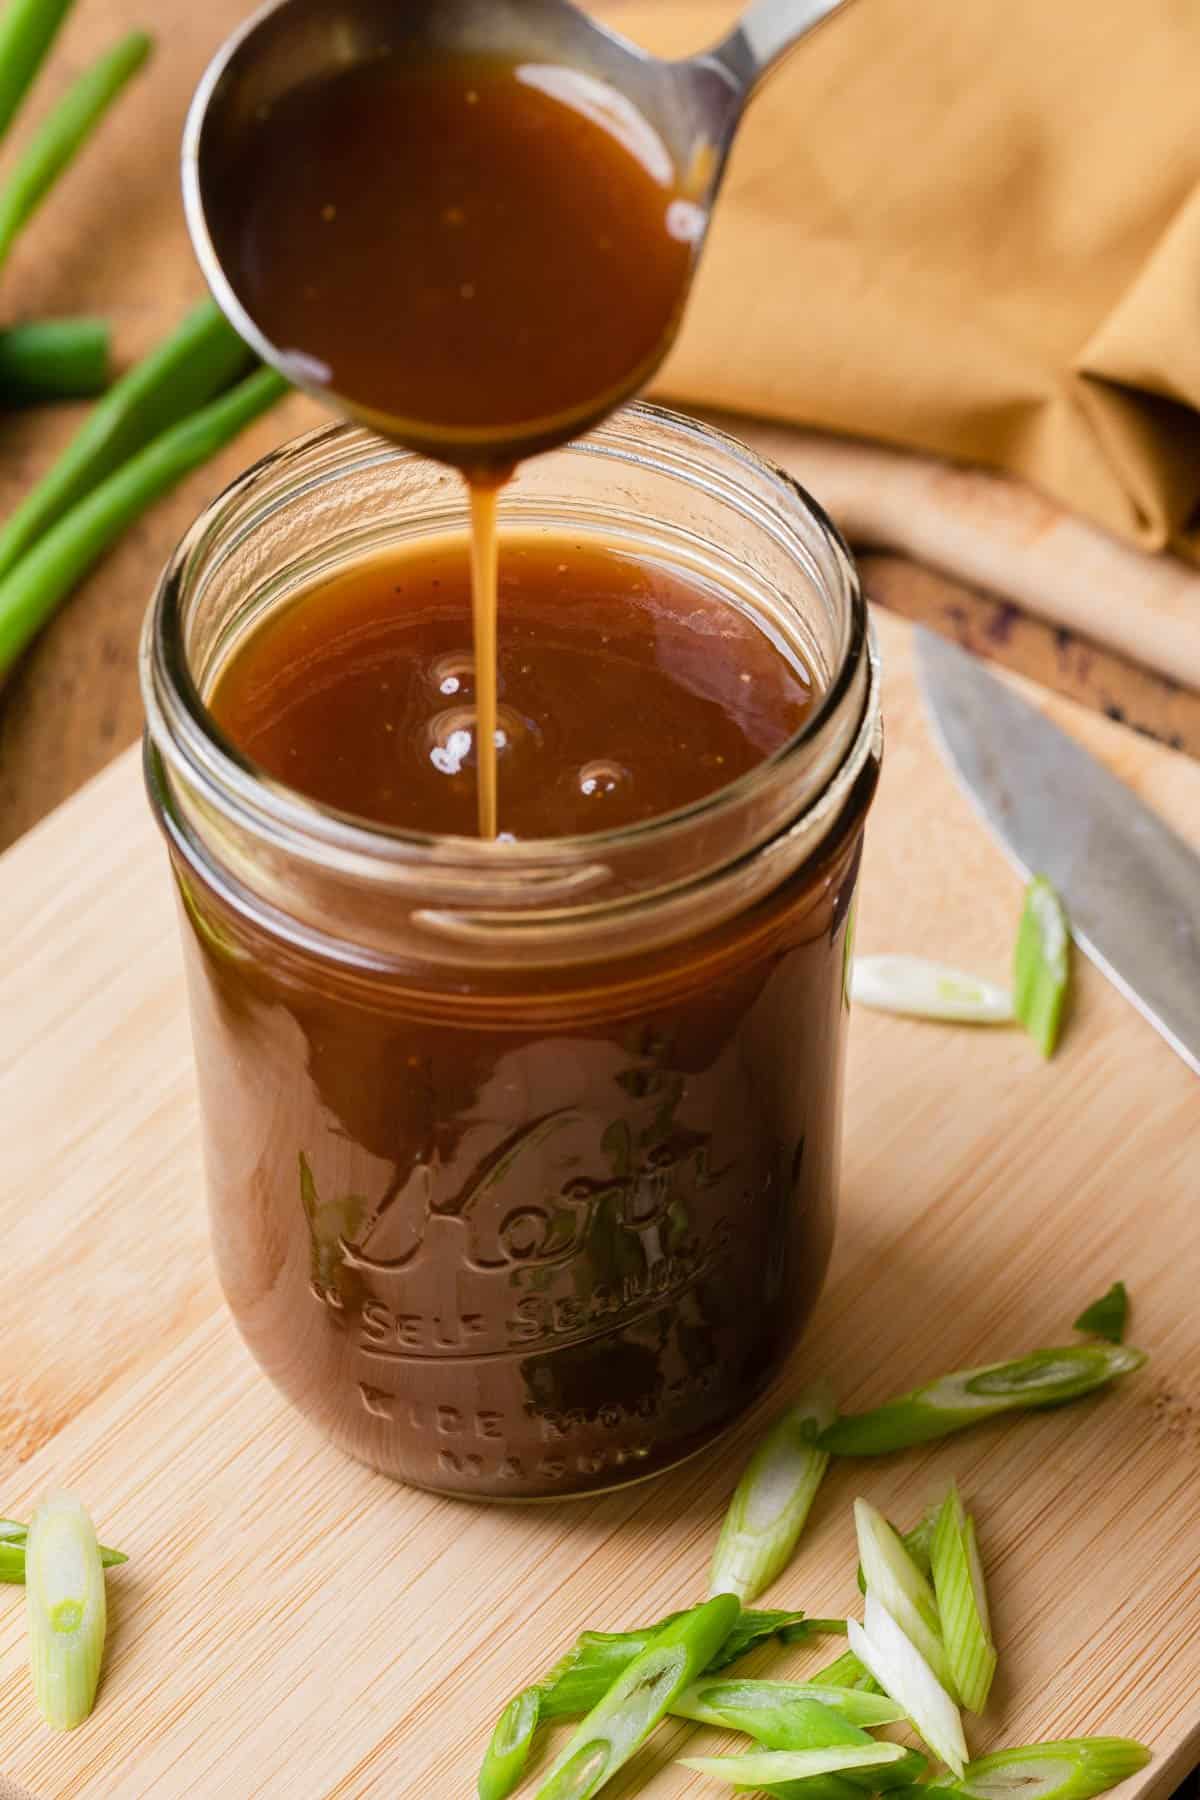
(761, 1768)
(962, 1604)
(585, 1674)
(617, 1727)
(808, 1724)
(902, 1672)
(12, 1564)
(928, 990)
(27, 30)
(12, 1552)
(1068, 1769)
(1108, 1316)
(792, 1725)
(1042, 965)
(588, 1670)
(1044, 1378)
(899, 1586)
(66, 1610)
(508, 1752)
(917, 1542)
(847, 1672)
(716, 1702)
(69, 124)
(753, 1627)
(816, 1787)
(772, 1500)
(902, 1773)
(806, 1628)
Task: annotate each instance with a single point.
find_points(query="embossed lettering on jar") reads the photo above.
(522, 1156)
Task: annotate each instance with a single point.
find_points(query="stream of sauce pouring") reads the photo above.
(479, 258)
(485, 608)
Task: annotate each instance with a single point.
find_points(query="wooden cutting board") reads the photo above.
(290, 1624)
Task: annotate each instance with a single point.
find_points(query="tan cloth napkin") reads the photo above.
(972, 227)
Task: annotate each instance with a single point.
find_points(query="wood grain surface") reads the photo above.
(111, 239)
(291, 1624)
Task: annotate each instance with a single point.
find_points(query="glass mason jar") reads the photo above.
(522, 1157)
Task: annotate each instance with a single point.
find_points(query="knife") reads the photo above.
(1131, 886)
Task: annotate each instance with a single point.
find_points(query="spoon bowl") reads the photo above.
(684, 113)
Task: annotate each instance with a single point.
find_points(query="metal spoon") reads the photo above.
(694, 105)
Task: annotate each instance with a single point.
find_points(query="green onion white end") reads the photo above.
(772, 1500)
(902, 1672)
(12, 1552)
(899, 1586)
(962, 1604)
(928, 990)
(66, 1610)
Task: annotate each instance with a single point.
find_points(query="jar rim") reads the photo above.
(185, 733)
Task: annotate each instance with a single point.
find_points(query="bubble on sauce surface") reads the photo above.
(602, 778)
(450, 737)
(453, 675)
(686, 221)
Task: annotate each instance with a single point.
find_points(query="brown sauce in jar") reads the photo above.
(626, 690)
(542, 1230)
(507, 1227)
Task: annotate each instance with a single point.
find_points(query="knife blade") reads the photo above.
(1131, 886)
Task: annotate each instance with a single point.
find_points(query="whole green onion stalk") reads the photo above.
(197, 362)
(27, 30)
(54, 359)
(31, 591)
(57, 141)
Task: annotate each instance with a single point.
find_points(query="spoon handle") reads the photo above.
(767, 31)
